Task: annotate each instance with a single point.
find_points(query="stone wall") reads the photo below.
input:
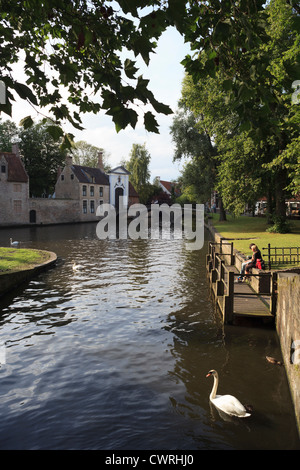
(13, 203)
(54, 211)
(60, 211)
(288, 328)
(9, 281)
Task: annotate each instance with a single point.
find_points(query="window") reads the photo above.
(84, 207)
(101, 191)
(62, 177)
(17, 206)
(84, 190)
(3, 169)
(92, 190)
(72, 176)
(101, 202)
(17, 187)
(92, 205)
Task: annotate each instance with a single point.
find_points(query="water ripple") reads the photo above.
(114, 355)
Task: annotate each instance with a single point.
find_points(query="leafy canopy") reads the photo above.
(74, 49)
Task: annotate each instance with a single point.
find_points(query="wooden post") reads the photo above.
(229, 299)
(269, 255)
(231, 255)
(220, 283)
(214, 275)
(208, 263)
(273, 302)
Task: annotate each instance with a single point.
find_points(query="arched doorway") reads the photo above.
(118, 192)
(32, 216)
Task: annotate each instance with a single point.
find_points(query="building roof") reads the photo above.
(86, 174)
(168, 185)
(132, 191)
(15, 169)
(120, 170)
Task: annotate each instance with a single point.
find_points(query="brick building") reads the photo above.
(79, 190)
(14, 189)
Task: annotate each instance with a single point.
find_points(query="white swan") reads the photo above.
(14, 243)
(226, 403)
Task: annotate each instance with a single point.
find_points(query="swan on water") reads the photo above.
(226, 403)
(15, 243)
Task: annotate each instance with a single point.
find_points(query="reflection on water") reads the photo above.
(114, 355)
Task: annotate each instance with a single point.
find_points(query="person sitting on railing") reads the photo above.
(251, 262)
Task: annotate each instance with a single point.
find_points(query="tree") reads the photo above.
(87, 155)
(194, 144)
(42, 157)
(206, 116)
(75, 47)
(8, 135)
(138, 165)
(255, 137)
(71, 53)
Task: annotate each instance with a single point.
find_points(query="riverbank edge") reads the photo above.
(13, 279)
(287, 324)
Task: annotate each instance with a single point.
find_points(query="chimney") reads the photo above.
(69, 160)
(100, 161)
(16, 150)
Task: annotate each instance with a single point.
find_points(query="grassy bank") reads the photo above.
(17, 259)
(244, 230)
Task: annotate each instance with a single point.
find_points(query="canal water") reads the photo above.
(114, 356)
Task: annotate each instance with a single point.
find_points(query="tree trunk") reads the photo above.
(222, 217)
(281, 182)
(270, 205)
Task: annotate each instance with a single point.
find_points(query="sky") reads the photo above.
(165, 74)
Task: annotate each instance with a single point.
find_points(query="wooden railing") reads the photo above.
(281, 255)
(224, 249)
(222, 277)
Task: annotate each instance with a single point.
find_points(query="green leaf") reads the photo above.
(55, 131)
(133, 117)
(244, 93)
(129, 68)
(6, 108)
(129, 6)
(143, 46)
(245, 126)
(26, 122)
(222, 31)
(227, 85)
(160, 107)
(25, 92)
(67, 142)
(150, 123)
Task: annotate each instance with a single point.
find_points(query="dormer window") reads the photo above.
(3, 169)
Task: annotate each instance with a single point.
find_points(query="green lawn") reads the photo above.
(16, 259)
(244, 230)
